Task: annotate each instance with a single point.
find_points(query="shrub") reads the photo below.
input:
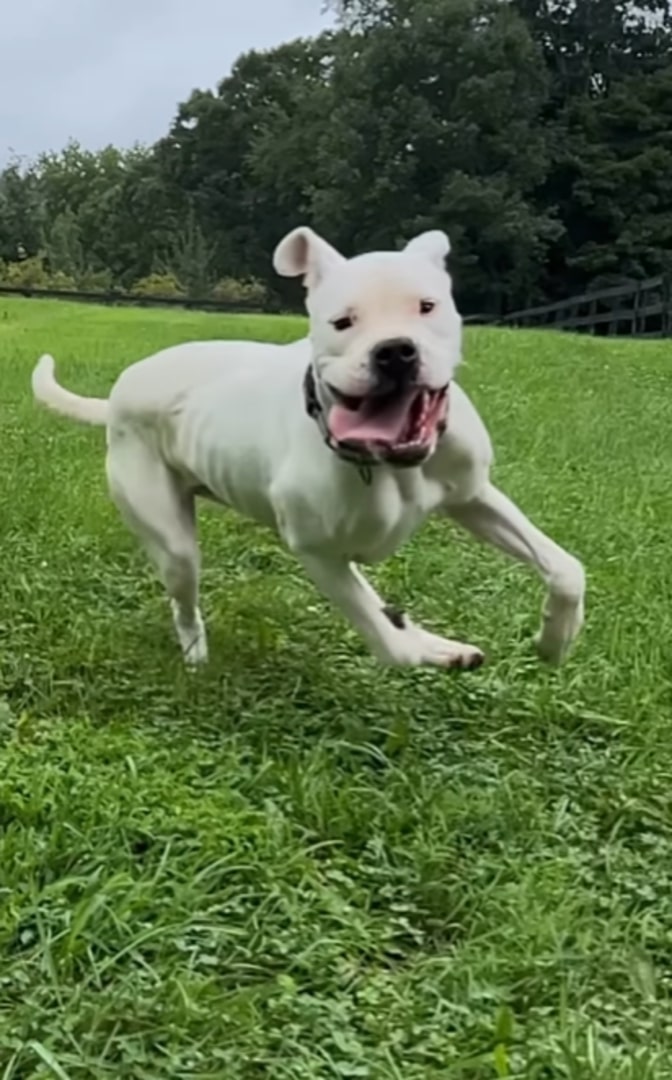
(30, 273)
(60, 280)
(247, 291)
(95, 281)
(165, 284)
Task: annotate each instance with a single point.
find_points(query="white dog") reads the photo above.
(343, 443)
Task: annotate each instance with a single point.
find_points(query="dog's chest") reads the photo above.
(371, 520)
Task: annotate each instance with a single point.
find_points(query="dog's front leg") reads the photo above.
(390, 634)
(491, 516)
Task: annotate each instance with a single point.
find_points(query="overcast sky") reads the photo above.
(113, 71)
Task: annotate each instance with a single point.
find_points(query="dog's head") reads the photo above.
(386, 339)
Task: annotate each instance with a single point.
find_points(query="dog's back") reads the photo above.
(161, 383)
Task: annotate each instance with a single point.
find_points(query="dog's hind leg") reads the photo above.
(162, 516)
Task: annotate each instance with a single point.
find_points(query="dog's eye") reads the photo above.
(344, 323)
(427, 306)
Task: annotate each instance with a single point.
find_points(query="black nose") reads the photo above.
(398, 358)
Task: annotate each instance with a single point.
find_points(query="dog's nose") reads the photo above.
(398, 358)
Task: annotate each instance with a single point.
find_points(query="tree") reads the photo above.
(536, 132)
(21, 212)
(64, 246)
(589, 45)
(123, 213)
(618, 179)
(243, 157)
(608, 120)
(190, 256)
(362, 15)
(434, 123)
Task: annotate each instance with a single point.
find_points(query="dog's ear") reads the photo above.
(304, 253)
(434, 245)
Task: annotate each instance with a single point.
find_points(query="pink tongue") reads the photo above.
(371, 422)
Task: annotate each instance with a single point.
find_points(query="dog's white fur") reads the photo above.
(228, 420)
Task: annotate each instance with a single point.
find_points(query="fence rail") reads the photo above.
(637, 309)
(136, 300)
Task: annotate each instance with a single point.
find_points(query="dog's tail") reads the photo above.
(87, 410)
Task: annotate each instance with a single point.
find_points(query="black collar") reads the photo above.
(362, 460)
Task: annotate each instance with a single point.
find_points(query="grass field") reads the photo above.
(298, 865)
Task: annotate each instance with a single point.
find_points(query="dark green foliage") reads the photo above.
(64, 245)
(190, 256)
(613, 180)
(435, 125)
(538, 133)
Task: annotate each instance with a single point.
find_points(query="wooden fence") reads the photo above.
(638, 309)
(269, 307)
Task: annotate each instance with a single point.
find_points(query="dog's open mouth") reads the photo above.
(401, 425)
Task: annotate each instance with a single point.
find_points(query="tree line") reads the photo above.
(537, 133)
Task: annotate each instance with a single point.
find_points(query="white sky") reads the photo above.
(113, 71)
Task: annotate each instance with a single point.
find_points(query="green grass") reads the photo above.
(298, 864)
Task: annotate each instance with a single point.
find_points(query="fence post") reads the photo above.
(666, 321)
(636, 328)
(592, 312)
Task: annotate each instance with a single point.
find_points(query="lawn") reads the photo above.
(298, 865)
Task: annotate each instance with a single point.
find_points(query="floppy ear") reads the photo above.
(304, 253)
(434, 245)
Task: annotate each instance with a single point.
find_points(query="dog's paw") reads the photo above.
(558, 633)
(563, 611)
(193, 640)
(195, 652)
(443, 652)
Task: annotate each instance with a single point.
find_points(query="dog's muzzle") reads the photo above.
(399, 428)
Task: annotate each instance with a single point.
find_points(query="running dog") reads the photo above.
(343, 443)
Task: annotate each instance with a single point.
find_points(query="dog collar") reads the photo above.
(362, 460)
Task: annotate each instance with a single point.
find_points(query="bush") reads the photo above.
(30, 273)
(60, 280)
(165, 284)
(247, 291)
(99, 281)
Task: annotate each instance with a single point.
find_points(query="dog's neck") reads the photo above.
(361, 460)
